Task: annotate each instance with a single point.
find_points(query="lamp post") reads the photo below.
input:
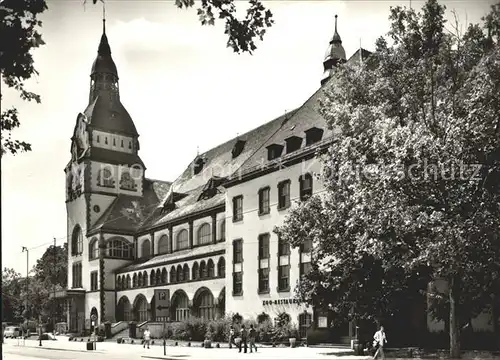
(25, 249)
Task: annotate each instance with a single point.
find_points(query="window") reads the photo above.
(77, 241)
(238, 148)
(306, 186)
(313, 135)
(305, 320)
(105, 178)
(180, 307)
(264, 280)
(106, 140)
(237, 283)
(94, 285)
(198, 165)
(77, 275)
(283, 247)
(238, 251)
(284, 195)
(306, 246)
(94, 249)
(163, 244)
(264, 201)
(180, 274)
(293, 143)
(146, 248)
(182, 240)
(140, 282)
(134, 281)
(210, 269)
(206, 307)
(274, 151)
(152, 278)
(195, 272)
(204, 234)
(203, 270)
(305, 268)
(223, 230)
(98, 138)
(114, 141)
(185, 271)
(164, 276)
(284, 278)
(130, 144)
(126, 182)
(121, 143)
(173, 275)
(119, 249)
(128, 283)
(264, 246)
(221, 267)
(237, 208)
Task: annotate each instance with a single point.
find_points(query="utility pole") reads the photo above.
(25, 249)
(54, 303)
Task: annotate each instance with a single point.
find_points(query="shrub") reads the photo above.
(237, 318)
(263, 317)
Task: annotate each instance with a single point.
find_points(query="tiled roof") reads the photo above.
(360, 55)
(128, 213)
(110, 115)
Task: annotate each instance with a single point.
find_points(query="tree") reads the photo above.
(413, 178)
(19, 34)
(242, 34)
(52, 267)
(12, 306)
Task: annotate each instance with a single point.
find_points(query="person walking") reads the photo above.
(231, 337)
(147, 338)
(379, 341)
(243, 342)
(251, 337)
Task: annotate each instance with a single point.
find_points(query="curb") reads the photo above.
(58, 349)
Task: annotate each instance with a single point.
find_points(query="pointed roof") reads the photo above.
(335, 49)
(104, 62)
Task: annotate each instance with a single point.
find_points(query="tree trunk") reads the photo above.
(454, 320)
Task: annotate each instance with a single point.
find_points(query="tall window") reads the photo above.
(94, 285)
(237, 208)
(238, 251)
(221, 267)
(210, 269)
(204, 234)
(284, 195)
(283, 247)
(134, 281)
(94, 249)
(182, 240)
(195, 271)
(206, 306)
(203, 270)
(77, 241)
(185, 271)
(164, 276)
(142, 309)
(305, 320)
(305, 268)
(77, 275)
(284, 278)
(264, 280)
(237, 283)
(180, 274)
(180, 307)
(264, 201)
(173, 275)
(146, 248)
(163, 244)
(306, 246)
(223, 230)
(263, 246)
(306, 186)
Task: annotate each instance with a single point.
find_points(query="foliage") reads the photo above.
(413, 178)
(262, 317)
(12, 306)
(19, 35)
(52, 267)
(242, 34)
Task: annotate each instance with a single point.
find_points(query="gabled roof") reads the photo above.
(127, 213)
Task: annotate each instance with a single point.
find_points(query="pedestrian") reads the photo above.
(243, 341)
(231, 337)
(147, 338)
(251, 337)
(379, 341)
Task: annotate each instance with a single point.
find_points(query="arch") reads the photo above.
(210, 269)
(204, 235)
(204, 304)
(141, 308)
(195, 271)
(146, 248)
(77, 241)
(182, 240)
(221, 267)
(179, 306)
(119, 247)
(164, 276)
(134, 281)
(124, 282)
(185, 270)
(203, 270)
(93, 249)
(221, 302)
(173, 275)
(222, 230)
(129, 282)
(118, 283)
(152, 278)
(163, 245)
(139, 280)
(180, 274)
(145, 278)
(158, 277)
(123, 309)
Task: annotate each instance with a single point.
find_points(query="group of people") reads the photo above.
(245, 338)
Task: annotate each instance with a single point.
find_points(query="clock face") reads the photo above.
(97, 208)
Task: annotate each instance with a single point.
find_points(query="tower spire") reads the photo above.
(103, 18)
(335, 55)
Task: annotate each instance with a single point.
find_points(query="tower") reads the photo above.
(104, 166)
(334, 56)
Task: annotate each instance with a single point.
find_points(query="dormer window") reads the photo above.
(211, 188)
(293, 143)
(238, 148)
(198, 165)
(274, 151)
(313, 135)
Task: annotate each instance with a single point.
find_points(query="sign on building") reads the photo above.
(162, 304)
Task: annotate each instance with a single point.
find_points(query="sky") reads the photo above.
(183, 88)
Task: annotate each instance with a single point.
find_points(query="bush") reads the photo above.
(263, 317)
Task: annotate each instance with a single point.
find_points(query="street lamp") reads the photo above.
(25, 249)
